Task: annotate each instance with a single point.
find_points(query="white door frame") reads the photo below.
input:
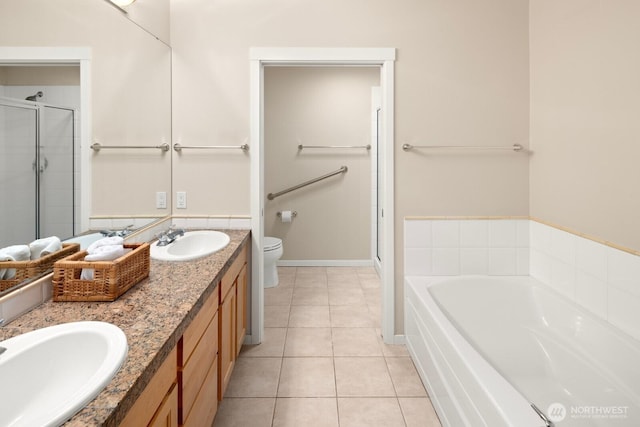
(80, 56)
(259, 58)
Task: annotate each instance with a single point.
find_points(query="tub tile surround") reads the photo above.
(601, 278)
(450, 247)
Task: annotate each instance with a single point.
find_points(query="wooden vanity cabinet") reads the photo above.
(158, 403)
(232, 317)
(167, 414)
(198, 367)
(186, 389)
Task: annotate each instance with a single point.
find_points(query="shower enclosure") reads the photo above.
(36, 171)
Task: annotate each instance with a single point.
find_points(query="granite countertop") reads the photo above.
(153, 314)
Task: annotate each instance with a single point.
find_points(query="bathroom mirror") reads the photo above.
(129, 103)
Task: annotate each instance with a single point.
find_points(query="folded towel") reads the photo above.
(107, 241)
(13, 253)
(102, 253)
(46, 246)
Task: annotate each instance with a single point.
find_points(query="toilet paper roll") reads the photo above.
(286, 216)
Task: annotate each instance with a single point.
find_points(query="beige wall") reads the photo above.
(585, 109)
(46, 76)
(461, 78)
(131, 102)
(320, 106)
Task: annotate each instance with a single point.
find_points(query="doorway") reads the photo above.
(310, 57)
(318, 120)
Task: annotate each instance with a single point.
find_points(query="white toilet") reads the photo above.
(272, 253)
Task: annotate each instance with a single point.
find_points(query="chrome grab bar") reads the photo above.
(301, 147)
(272, 196)
(97, 146)
(514, 147)
(178, 147)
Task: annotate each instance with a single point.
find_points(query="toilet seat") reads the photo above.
(272, 244)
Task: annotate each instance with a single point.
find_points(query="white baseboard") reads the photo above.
(399, 339)
(326, 263)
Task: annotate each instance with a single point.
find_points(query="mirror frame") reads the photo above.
(80, 56)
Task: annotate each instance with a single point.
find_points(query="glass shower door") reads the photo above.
(18, 184)
(56, 172)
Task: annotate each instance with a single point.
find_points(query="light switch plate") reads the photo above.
(161, 200)
(181, 200)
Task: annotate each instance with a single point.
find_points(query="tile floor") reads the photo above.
(323, 362)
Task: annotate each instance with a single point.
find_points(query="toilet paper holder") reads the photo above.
(293, 214)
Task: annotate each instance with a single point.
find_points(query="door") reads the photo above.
(18, 162)
(56, 172)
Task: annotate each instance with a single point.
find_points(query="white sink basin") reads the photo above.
(51, 373)
(85, 240)
(193, 245)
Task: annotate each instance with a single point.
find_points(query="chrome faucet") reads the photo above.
(119, 233)
(169, 236)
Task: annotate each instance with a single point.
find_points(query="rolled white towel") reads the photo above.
(13, 253)
(46, 246)
(102, 253)
(107, 241)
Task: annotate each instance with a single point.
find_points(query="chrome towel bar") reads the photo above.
(272, 196)
(514, 147)
(177, 147)
(96, 146)
(301, 147)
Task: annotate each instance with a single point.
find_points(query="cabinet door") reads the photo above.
(195, 374)
(241, 308)
(153, 396)
(206, 404)
(227, 348)
(167, 415)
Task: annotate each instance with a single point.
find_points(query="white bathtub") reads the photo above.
(488, 347)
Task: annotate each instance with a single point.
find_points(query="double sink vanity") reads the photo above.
(184, 325)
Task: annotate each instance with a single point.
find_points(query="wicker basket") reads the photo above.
(110, 278)
(28, 269)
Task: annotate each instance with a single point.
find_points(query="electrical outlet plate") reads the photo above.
(181, 200)
(161, 200)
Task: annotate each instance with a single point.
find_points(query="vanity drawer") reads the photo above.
(197, 328)
(230, 276)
